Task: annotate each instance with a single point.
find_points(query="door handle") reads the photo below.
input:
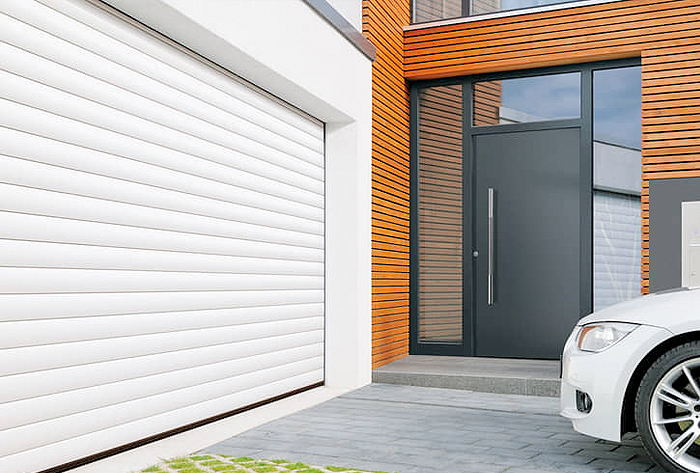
(490, 262)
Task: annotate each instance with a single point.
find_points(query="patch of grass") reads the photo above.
(296, 466)
(264, 468)
(182, 465)
(228, 464)
(226, 467)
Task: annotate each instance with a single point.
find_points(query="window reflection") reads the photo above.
(617, 183)
(431, 10)
(479, 7)
(527, 99)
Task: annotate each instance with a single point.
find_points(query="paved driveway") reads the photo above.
(410, 429)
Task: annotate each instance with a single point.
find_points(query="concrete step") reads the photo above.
(491, 375)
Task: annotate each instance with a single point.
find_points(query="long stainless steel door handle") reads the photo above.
(490, 275)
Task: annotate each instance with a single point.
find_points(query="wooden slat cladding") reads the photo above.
(382, 23)
(664, 33)
(440, 214)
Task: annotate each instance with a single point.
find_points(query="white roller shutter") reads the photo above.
(161, 237)
(617, 231)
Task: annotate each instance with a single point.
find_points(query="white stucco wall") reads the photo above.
(350, 9)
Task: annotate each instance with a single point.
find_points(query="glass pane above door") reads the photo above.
(527, 99)
(440, 214)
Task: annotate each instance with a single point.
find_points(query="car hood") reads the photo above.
(677, 310)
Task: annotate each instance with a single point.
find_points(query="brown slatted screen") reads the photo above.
(663, 32)
(382, 22)
(440, 214)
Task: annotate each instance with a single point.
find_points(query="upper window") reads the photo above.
(431, 10)
(527, 99)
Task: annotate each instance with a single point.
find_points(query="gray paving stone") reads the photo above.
(410, 429)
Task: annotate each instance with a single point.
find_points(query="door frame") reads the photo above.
(585, 122)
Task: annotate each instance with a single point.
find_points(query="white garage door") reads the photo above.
(161, 237)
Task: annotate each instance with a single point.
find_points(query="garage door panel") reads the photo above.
(214, 124)
(49, 125)
(39, 409)
(175, 166)
(122, 434)
(44, 306)
(55, 430)
(40, 28)
(169, 61)
(46, 177)
(161, 236)
(258, 158)
(24, 360)
(62, 230)
(48, 281)
(190, 135)
(67, 206)
(43, 383)
(28, 147)
(28, 333)
(70, 256)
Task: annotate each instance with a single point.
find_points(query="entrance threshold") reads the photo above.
(491, 375)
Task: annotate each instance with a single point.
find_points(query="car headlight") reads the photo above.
(600, 336)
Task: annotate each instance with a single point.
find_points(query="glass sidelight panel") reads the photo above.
(440, 214)
(527, 99)
(617, 185)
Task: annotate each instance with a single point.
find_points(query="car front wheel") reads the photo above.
(667, 409)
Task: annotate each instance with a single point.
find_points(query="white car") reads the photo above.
(635, 366)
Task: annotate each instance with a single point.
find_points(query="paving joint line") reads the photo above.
(486, 409)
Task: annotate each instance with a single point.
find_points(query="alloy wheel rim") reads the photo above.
(675, 414)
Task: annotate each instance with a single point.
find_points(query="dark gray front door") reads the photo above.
(528, 297)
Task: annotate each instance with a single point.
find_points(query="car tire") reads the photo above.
(667, 409)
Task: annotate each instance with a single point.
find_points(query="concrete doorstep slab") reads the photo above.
(490, 375)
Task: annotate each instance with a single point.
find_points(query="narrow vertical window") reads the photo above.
(617, 185)
(440, 213)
